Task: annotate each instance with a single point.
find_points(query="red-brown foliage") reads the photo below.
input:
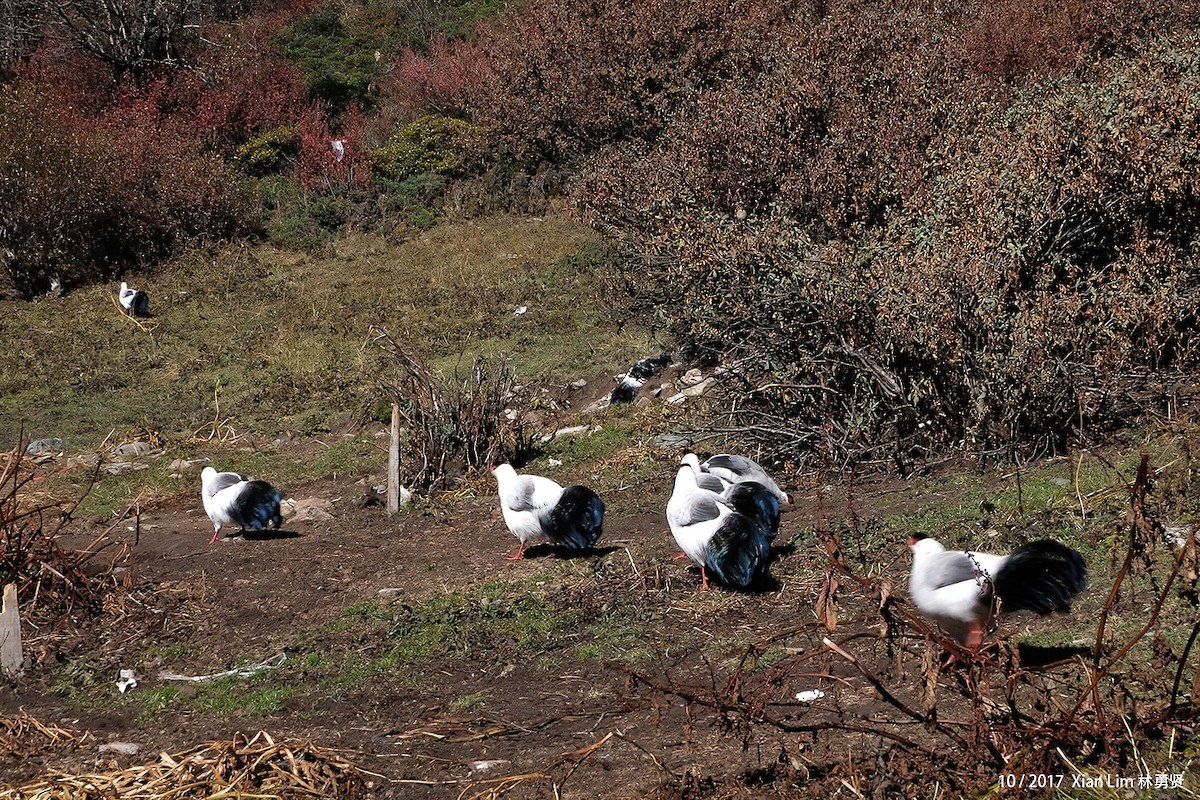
(967, 214)
(84, 195)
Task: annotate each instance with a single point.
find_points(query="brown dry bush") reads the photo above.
(907, 226)
(82, 196)
(50, 579)
(456, 424)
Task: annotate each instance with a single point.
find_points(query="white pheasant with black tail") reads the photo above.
(135, 303)
(962, 590)
(636, 378)
(729, 534)
(537, 509)
(755, 498)
(733, 469)
(230, 499)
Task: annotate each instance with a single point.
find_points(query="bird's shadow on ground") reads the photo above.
(1035, 656)
(549, 550)
(779, 551)
(763, 584)
(268, 535)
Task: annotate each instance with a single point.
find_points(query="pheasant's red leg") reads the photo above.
(974, 636)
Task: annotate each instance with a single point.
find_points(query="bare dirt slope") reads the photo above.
(490, 710)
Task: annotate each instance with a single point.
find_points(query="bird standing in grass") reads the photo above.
(729, 534)
(963, 590)
(135, 303)
(230, 499)
(537, 509)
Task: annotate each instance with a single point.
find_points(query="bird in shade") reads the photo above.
(135, 303)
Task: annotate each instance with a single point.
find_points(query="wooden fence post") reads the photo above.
(393, 481)
(11, 658)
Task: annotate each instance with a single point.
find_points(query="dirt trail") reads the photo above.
(242, 600)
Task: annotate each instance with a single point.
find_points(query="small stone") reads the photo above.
(671, 441)
(691, 377)
(309, 509)
(579, 384)
(39, 446)
(573, 430)
(389, 594)
(121, 467)
(1060, 481)
(599, 405)
(124, 748)
(132, 449)
(692, 391)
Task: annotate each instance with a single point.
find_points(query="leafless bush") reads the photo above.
(460, 423)
(1008, 709)
(48, 577)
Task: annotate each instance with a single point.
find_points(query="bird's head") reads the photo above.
(691, 460)
(922, 545)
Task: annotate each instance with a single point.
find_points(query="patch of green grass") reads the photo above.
(618, 428)
(155, 701)
(234, 695)
(167, 652)
(470, 702)
(509, 619)
(75, 679)
(278, 335)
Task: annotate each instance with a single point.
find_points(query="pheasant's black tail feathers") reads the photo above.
(577, 519)
(738, 553)
(257, 506)
(757, 502)
(1042, 577)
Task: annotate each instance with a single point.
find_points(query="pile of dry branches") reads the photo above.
(30, 554)
(454, 425)
(256, 767)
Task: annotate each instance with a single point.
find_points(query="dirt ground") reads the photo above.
(497, 718)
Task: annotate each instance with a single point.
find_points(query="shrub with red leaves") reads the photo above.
(82, 196)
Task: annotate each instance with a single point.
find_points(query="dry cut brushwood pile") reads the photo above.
(246, 767)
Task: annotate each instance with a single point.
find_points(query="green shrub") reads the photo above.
(431, 144)
(336, 55)
(267, 153)
(329, 212)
